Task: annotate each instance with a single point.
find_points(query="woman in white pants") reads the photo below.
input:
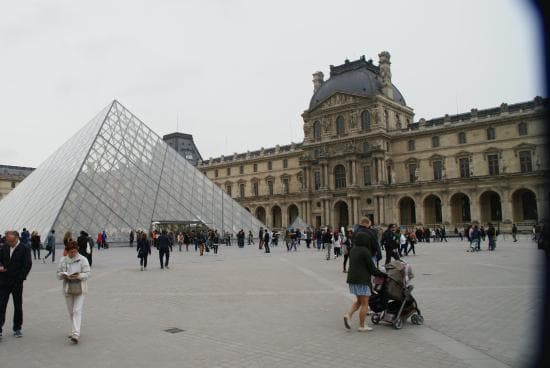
(74, 270)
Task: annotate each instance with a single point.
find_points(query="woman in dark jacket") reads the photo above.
(35, 244)
(361, 269)
(143, 249)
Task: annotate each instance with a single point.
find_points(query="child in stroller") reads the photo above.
(392, 300)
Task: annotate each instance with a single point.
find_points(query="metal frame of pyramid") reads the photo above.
(116, 174)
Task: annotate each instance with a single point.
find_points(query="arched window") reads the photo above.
(340, 126)
(339, 176)
(365, 121)
(317, 130)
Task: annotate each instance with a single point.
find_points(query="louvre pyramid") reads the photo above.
(116, 174)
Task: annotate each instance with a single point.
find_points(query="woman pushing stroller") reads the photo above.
(361, 269)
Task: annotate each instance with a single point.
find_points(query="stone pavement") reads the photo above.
(244, 308)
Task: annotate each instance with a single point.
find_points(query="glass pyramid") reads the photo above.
(116, 174)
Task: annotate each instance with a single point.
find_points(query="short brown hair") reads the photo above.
(12, 232)
(71, 245)
(365, 221)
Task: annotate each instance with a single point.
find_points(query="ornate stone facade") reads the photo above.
(364, 155)
(11, 176)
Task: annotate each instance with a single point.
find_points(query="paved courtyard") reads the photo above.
(244, 308)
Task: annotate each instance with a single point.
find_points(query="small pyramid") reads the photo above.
(116, 174)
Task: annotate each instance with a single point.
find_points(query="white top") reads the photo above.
(403, 239)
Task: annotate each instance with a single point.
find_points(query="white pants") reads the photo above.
(74, 305)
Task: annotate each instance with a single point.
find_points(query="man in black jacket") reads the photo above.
(365, 227)
(164, 249)
(15, 265)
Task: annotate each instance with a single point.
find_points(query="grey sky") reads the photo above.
(237, 74)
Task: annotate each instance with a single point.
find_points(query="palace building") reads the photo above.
(364, 154)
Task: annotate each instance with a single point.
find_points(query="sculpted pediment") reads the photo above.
(337, 99)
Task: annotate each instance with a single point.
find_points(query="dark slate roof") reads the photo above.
(359, 77)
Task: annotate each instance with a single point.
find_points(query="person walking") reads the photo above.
(361, 270)
(104, 240)
(15, 265)
(337, 244)
(475, 239)
(84, 246)
(492, 237)
(164, 249)
(99, 240)
(132, 238)
(347, 247)
(403, 242)
(261, 238)
(390, 241)
(327, 242)
(250, 238)
(25, 237)
(143, 250)
(74, 270)
(35, 245)
(515, 232)
(50, 246)
(412, 242)
(180, 239)
(266, 241)
(186, 241)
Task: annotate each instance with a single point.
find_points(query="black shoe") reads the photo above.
(17, 333)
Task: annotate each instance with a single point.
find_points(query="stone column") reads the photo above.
(327, 182)
(446, 212)
(419, 210)
(268, 220)
(382, 211)
(475, 208)
(354, 172)
(506, 206)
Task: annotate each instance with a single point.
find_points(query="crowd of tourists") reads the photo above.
(362, 249)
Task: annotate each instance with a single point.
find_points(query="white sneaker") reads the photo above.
(364, 329)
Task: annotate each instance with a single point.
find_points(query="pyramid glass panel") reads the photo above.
(117, 175)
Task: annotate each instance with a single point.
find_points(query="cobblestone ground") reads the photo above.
(244, 308)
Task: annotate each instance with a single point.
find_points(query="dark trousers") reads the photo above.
(390, 254)
(164, 254)
(215, 247)
(346, 256)
(35, 252)
(411, 248)
(16, 291)
(266, 246)
(52, 252)
(143, 261)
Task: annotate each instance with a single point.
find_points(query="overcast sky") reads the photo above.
(237, 74)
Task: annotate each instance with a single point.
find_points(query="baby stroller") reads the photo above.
(392, 299)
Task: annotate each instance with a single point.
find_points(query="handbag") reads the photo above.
(49, 248)
(73, 287)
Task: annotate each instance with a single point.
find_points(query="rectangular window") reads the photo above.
(255, 188)
(270, 187)
(286, 185)
(438, 170)
(461, 138)
(255, 167)
(435, 141)
(241, 190)
(269, 165)
(317, 179)
(228, 190)
(411, 145)
(285, 163)
(412, 173)
(367, 178)
(491, 134)
(492, 160)
(241, 169)
(525, 162)
(464, 164)
(228, 171)
(216, 173)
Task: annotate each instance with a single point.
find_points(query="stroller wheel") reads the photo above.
(398, 324)
(420, 320)
(375, 318)
(414, 319)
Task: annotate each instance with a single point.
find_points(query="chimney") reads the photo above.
(385, 73)
(318, 79)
